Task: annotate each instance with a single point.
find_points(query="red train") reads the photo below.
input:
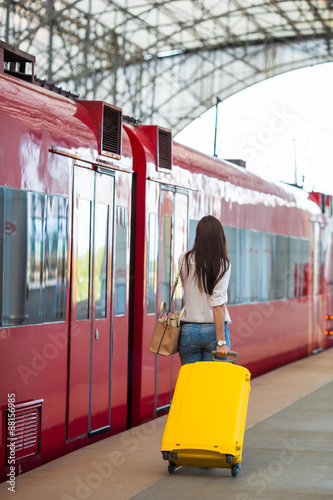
(94, 212)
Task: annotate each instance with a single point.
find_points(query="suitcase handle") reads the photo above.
(230, 353)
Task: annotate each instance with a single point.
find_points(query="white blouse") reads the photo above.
(199, 304)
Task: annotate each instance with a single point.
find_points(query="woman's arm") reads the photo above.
(219, 316)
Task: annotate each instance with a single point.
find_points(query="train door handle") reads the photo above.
(96, 334)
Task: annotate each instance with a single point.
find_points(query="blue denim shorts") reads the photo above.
(198, 340)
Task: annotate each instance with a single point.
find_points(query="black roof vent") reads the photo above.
(17, 63)
(164, 149)
(112, 127)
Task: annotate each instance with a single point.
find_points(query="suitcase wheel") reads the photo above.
(172, 467)
(165, 455)
(235, 470)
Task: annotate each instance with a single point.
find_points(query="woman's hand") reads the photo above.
(222, 351)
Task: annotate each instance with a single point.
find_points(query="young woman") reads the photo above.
(205, 275)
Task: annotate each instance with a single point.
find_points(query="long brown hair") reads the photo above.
(210, 253)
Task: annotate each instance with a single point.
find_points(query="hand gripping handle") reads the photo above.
(230, 353)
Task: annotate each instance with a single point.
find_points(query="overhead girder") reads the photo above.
(166, 61)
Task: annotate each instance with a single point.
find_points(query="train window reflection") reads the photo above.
(232, 245)
(101, 257)
(166, 256)
(83, 260)
(120, 261)
(152, 264)
(33, 300)
(34, 257)
(192, 232)
(179, 248)
(266, 266)
(56, 235)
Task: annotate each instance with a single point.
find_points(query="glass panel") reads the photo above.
(152, 264)
(180, 231)
(193, 229)
(15, 287)
(166, 256)
(231, 236)
(180, 243)
(256, 264)
(83, 259)
(101, 258)
(55, 275)
(33, 300)
(120, 262)
(280, 249)
(35, 257)
(298, 268)
(266, 267)
(305, 268)
(246, 275)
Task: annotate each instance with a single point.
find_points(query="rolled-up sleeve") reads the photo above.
(220, 292)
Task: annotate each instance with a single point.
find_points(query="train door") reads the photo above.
(172, 242)
(91, 323)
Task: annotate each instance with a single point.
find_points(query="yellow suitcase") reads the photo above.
(206, 421)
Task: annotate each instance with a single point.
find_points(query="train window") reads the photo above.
(101, 257)
(120, 261)
(180, 242)
(280, 248)
(35, 237)
(265, 286)
(55, 276)
(266, 266)
(298, 268)
(152, 264)
(34, 257)
(231, 234)
(179, 249)
(193, 230)
(166, 264)
(83, 260)
(304, 256)
(321, 262)
(245, 270)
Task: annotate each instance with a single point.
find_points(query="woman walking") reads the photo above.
(205, 276)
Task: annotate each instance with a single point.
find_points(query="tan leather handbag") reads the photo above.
(167, 328)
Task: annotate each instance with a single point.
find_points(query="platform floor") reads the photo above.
(288, 451)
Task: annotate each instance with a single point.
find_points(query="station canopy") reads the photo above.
(166, 62)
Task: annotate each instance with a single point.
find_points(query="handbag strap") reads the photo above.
(176, 280)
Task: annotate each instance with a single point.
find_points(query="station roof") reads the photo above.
(165, 61)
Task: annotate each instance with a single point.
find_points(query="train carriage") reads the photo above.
(65, 204)
(281, 283)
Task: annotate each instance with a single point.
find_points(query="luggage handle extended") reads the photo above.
(230, 353)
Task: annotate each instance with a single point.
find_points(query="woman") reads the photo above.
(205, 275)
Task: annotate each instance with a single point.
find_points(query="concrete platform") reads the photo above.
(287, 451)
(288, 455)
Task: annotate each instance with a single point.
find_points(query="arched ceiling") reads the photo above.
(166, 61)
